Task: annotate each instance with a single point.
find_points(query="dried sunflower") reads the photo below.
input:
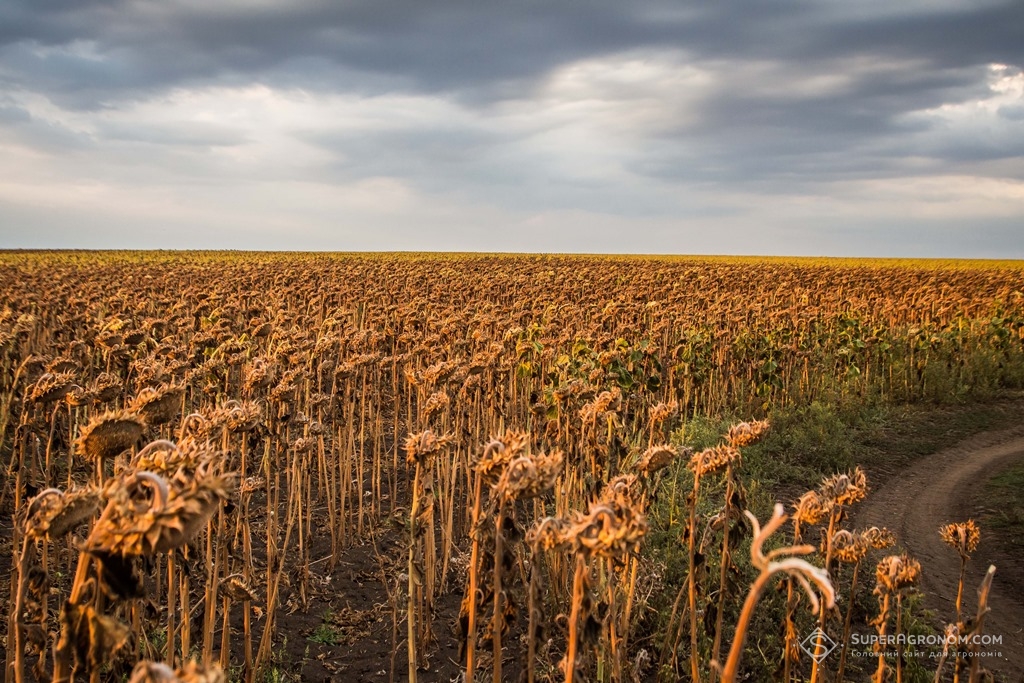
(896, 572)
(810, 508)
(237, 589)
(662, 411)
(133, 525)
(848, 547)
(878, 538)
(498, 453)
(51, 387)
(241, 416)
(109, 434)
(712, 460)
(420, 447)
(53, 513)
(747, 433)
(962, 537)
(845, 489)
(529, 476)
(656, 458)
(158, 406)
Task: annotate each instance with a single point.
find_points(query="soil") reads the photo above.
(947, 487)
(346, 628)
(345, 631)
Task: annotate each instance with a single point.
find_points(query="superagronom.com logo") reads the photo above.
(818, 645)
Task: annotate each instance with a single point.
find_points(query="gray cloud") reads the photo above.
(596, 112)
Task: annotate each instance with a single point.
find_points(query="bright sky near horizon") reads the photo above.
(812, 127)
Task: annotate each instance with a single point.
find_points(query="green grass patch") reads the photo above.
(815, 440)
(325, 634)
(1004, 497)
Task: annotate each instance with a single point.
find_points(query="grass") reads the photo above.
(326, 633)
(811, 441)
(815, 440)
(1004, 496)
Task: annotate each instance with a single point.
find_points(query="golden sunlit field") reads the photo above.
(270, 467)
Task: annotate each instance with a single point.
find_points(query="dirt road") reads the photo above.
(946, 487)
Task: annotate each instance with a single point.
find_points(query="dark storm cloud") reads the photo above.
(785, 97)
(94, 54)
(462, 46)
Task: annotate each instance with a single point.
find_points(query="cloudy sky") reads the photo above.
(854, 127)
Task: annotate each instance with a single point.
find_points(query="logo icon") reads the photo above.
(818, 645)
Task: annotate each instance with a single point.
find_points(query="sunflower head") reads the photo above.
(715, 459)
(962, 537)
(747, 433)
(109, 434)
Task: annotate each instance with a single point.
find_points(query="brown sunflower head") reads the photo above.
(436, 403)
(662, 411)
(896, 572)
(550, 533)
(51, 387)
(158, 406)
(962, 537)
(878, 538)
(845, 489)
(240, 416)
(747, 433)
(168, 459)
(605, 403)
(236, 588)
(608, 529)
(810, 508)
(420, 448)
(196, 425)
(656, 458)
(529, 476)
(715, 459)
(498, 453)
(53, 514)
(147, 514)
(105, 388)
(109, 434)
(848, 547)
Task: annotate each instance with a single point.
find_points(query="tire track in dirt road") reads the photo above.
(945, 487)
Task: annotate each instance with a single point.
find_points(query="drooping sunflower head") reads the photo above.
(962, 537)
(896, 572)
(160, 405)
(809, 508)
(878, 538)
(529, 476)
(656, 458)
(848, 547)
(715, 459)
(419, 448)
(53, 514)
(747, 433)
(498, 453)
(109, 434)
(845, 489)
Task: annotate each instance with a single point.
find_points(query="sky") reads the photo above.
(814, 127)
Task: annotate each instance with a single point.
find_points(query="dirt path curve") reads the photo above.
(946, 487)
